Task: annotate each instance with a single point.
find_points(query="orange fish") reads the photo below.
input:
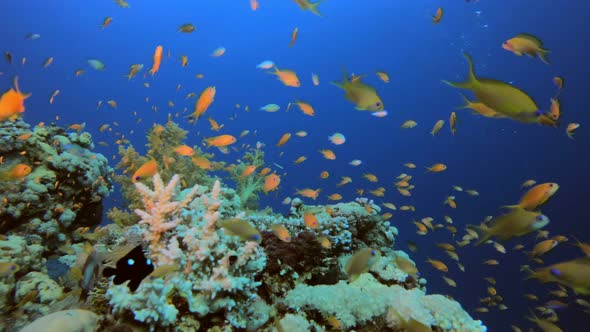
(205, 100)
(254, 5)
(184, 150)
(17, 172)
(248, 170)
(214, 125)
(306, 108)
(201, 162)
(437, 168)
(310, 220)
(294, 36)
(438, 16)
(157, 60)
(284, 139)
(328, 154)
(536, 196)
(335, 197)
(220, 141)
(271, 182)
(281, 232)
(148, 169)
(438, 265)
(287, 77)
(12, 102)
(264, 171)
(309, 193)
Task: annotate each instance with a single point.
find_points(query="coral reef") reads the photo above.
(361, 301)
(65, 188)
(208, 277)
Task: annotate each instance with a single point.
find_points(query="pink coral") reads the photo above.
(161, 213)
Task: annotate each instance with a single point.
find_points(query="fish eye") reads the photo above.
(137, 178)
(378, 104)
(555, 272)
(540, 217)
(255, 237)
(130, 262)
(148, 261)
(373, 252)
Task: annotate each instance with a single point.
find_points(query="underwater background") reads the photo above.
(492, 156)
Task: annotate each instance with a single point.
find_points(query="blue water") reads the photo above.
(492, 156)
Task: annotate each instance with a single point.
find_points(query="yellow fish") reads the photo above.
(364, 96)
(503, 98)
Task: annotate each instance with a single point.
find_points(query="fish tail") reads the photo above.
(313, 7)
(543, 55)
(483, 233)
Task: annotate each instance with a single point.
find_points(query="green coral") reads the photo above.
(248, 187)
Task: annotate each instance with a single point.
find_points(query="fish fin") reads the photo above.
(483, 233)
(519, 53)
(471, 80)
(511, 207)
(543, 55)
(530, 37)
(108, 272)
(313, 7)
(466, 101)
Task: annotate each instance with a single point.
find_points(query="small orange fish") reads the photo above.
(148, 169)
(438, 265)
(205, 100)
(16, 172)
(306, 108)
(287, 77)
(157, 60)
(328, 154)
(335, 197)
(220, 141)
(264, 171)
(184, 150)
(436, 168)
(294, 36)
(12, 102)
(309, 193)
(271, 182)
(184, 60)
(248, 170)
(310, 220)
(201, 162)
(254, 5)
(324, 175)
(284, 139)
(281, 232)
(438, 16)
(214, 125)
(47, 62)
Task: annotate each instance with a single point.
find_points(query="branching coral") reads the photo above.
(216, 272)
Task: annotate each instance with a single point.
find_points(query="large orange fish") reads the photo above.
(12, 102)
(205, 100)
(157, 60)
(536, 196)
